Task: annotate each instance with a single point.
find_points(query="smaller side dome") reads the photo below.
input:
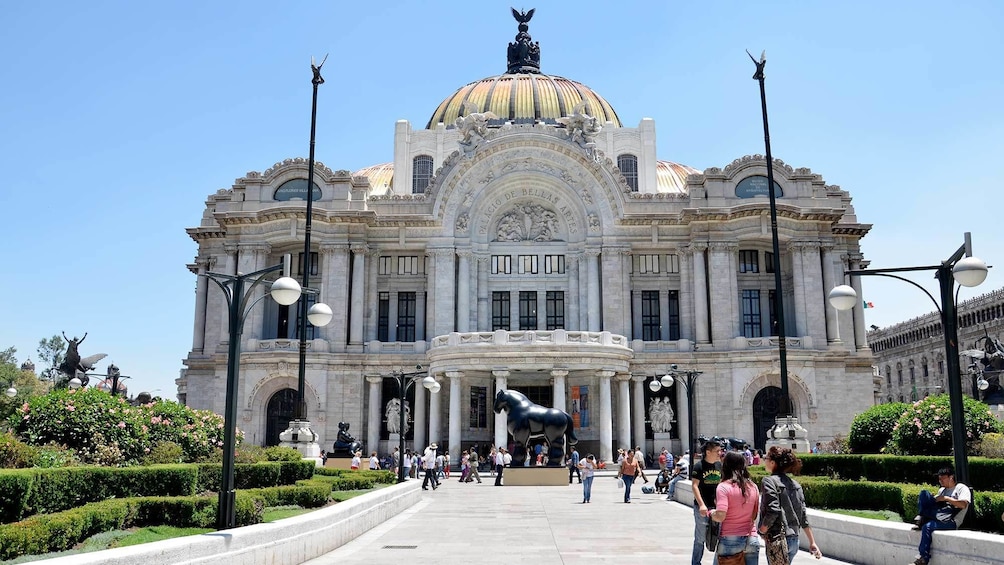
(381, 177)
(672, 177)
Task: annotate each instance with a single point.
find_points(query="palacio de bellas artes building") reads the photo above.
(524, 237)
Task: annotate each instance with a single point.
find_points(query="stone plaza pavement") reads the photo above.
(482, 524)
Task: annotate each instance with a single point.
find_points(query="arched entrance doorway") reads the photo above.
(278, 414)
(766, 407)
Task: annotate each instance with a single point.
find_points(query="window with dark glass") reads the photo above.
(311, 328)
(674, 315)
(383, 317)
(628, 164)
(768, 262)
(421, 174)
(555, 314)
(406, 308)
(528, 309)
(500, 311)
(751, 313)
(749, 261)
(313, 264)
(479, 407)
(650, 326)
(913, 376)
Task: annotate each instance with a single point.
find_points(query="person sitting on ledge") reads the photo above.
(943, 511)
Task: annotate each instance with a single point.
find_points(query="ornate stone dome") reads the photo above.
(523, 98)
(523, 95)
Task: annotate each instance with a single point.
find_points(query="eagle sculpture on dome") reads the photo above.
(522, 17)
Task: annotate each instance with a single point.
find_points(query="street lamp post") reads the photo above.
(113, 373)
(404, 381)
(285, 291)
(968, 271)
(299, 434)
(687, 378)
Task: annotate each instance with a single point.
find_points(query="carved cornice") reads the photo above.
(748, 161)
(297, 162)
(257, 248)
(730, 246)
(441, 252)
(333, 248)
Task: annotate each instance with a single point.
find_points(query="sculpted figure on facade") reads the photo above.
(463, 222)
(582, 129)
(473, 127)
(528, 222)
(393, 416)
(660, 414)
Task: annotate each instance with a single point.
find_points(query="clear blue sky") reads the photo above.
(120, 118)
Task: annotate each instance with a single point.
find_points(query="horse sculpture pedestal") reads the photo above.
(535, 476)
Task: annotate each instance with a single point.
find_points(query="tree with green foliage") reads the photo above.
(872, 429)
(25, 383)
(925, 428)
(50, 353)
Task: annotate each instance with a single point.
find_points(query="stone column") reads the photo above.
(636, 331)
(230, 268)
(419, 415)
(358, 294)
(392, 314)
(372, 301)
(256, 317)
(701, 322)
(435, 415)
(445, 292)
(455, 416)
(816, 306)
(463, 298)
(616, 310)
(832, 325)
(593, 286)
(374, 413)
(583, 293)
(682, 417)
(484, 321)
(572, 268)
(430, 295)
(798, 290)
(501, 432)
(623, 411)
(558, 377)
(686, 295)
(664, 314)
(201, 295)
(606, 417)
(246, 263)
(637, 384)
(334, 273)
(860, 335)
(724, 291)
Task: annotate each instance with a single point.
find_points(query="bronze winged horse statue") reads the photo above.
(527, 420)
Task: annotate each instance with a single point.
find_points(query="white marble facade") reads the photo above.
(531, 260)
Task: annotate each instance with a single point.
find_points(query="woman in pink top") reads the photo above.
(737, 501)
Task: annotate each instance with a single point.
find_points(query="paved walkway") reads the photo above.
(481, 524)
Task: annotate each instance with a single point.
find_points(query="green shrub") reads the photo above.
(848, 467)
(925, 428)
(279, 453)
(54, 455)
(872, 429)
(14, 454)
(992, 445)
(165, 452)
(15, 487)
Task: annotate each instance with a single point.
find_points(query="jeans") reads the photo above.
(587, 488)
(792, 547)
(498, 474)
(628, 481)
(575, 471)
(731, 545)
(928, 507)
(430, 476)
(672, 485)
(700, 531)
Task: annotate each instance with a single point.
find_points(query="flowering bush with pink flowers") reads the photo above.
(105, 429)
(925, 428)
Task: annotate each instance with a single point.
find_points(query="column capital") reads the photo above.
(258, 248)
(604, 374)
(440, 252)
(454, 375)
(359, 248)
(374, 379)
(230, 248)
(374, 252)
(504, 373)
(696, 247)
(591, 253)
(623, 376)
(723, 246)
(329, 248)
(572, 259)
(559, 373)
(465, 253)
(639, 378)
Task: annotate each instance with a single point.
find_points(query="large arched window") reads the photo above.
(628, 164)
(296, 189)
(421, 174)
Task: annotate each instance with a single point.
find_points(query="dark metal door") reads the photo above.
(278, 414)
(766, 407)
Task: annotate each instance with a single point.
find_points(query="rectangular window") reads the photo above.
(768, 262)
(650, 326)
(406, 308)
(648, 264)
(927, 373)
(313, 264)
(479, 407)
(383, 317)
(527, 264)
(674, 315)
(555, 309)
(311, 328)
(672, 263)
(501, 264)
(407, 265)
(751, 313)
(385, 263)
(554, 264)
(528, 309)
(913, 376)
(749, 261)
(500, 311)
(772, 315)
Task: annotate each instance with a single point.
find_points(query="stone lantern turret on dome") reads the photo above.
(28, 365)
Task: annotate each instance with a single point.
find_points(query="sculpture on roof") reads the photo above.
(582, 128)
(524, 53)
(473, 127)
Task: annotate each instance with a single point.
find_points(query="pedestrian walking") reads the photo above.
(737, 502)
(474, 466)
(573, 466)
(705, 476)
(782, 506)
(627, 473)
(587, 466)
(429, 465)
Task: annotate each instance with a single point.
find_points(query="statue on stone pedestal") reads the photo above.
(660, 414)
(392, 415)
(73, 364)
(345, 444)
(526, 420)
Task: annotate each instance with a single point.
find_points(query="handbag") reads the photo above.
(711, 534)
(734, 559)
(777, 550)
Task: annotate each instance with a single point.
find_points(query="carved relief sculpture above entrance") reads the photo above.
(527, 222)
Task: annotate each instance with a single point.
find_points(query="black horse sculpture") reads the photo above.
(527, 420)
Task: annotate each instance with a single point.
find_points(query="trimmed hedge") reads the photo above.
(25, 492)
(984, 474)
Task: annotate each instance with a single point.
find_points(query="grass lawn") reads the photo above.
(885, 515)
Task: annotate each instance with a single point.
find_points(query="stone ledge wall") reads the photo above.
(292, 540)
